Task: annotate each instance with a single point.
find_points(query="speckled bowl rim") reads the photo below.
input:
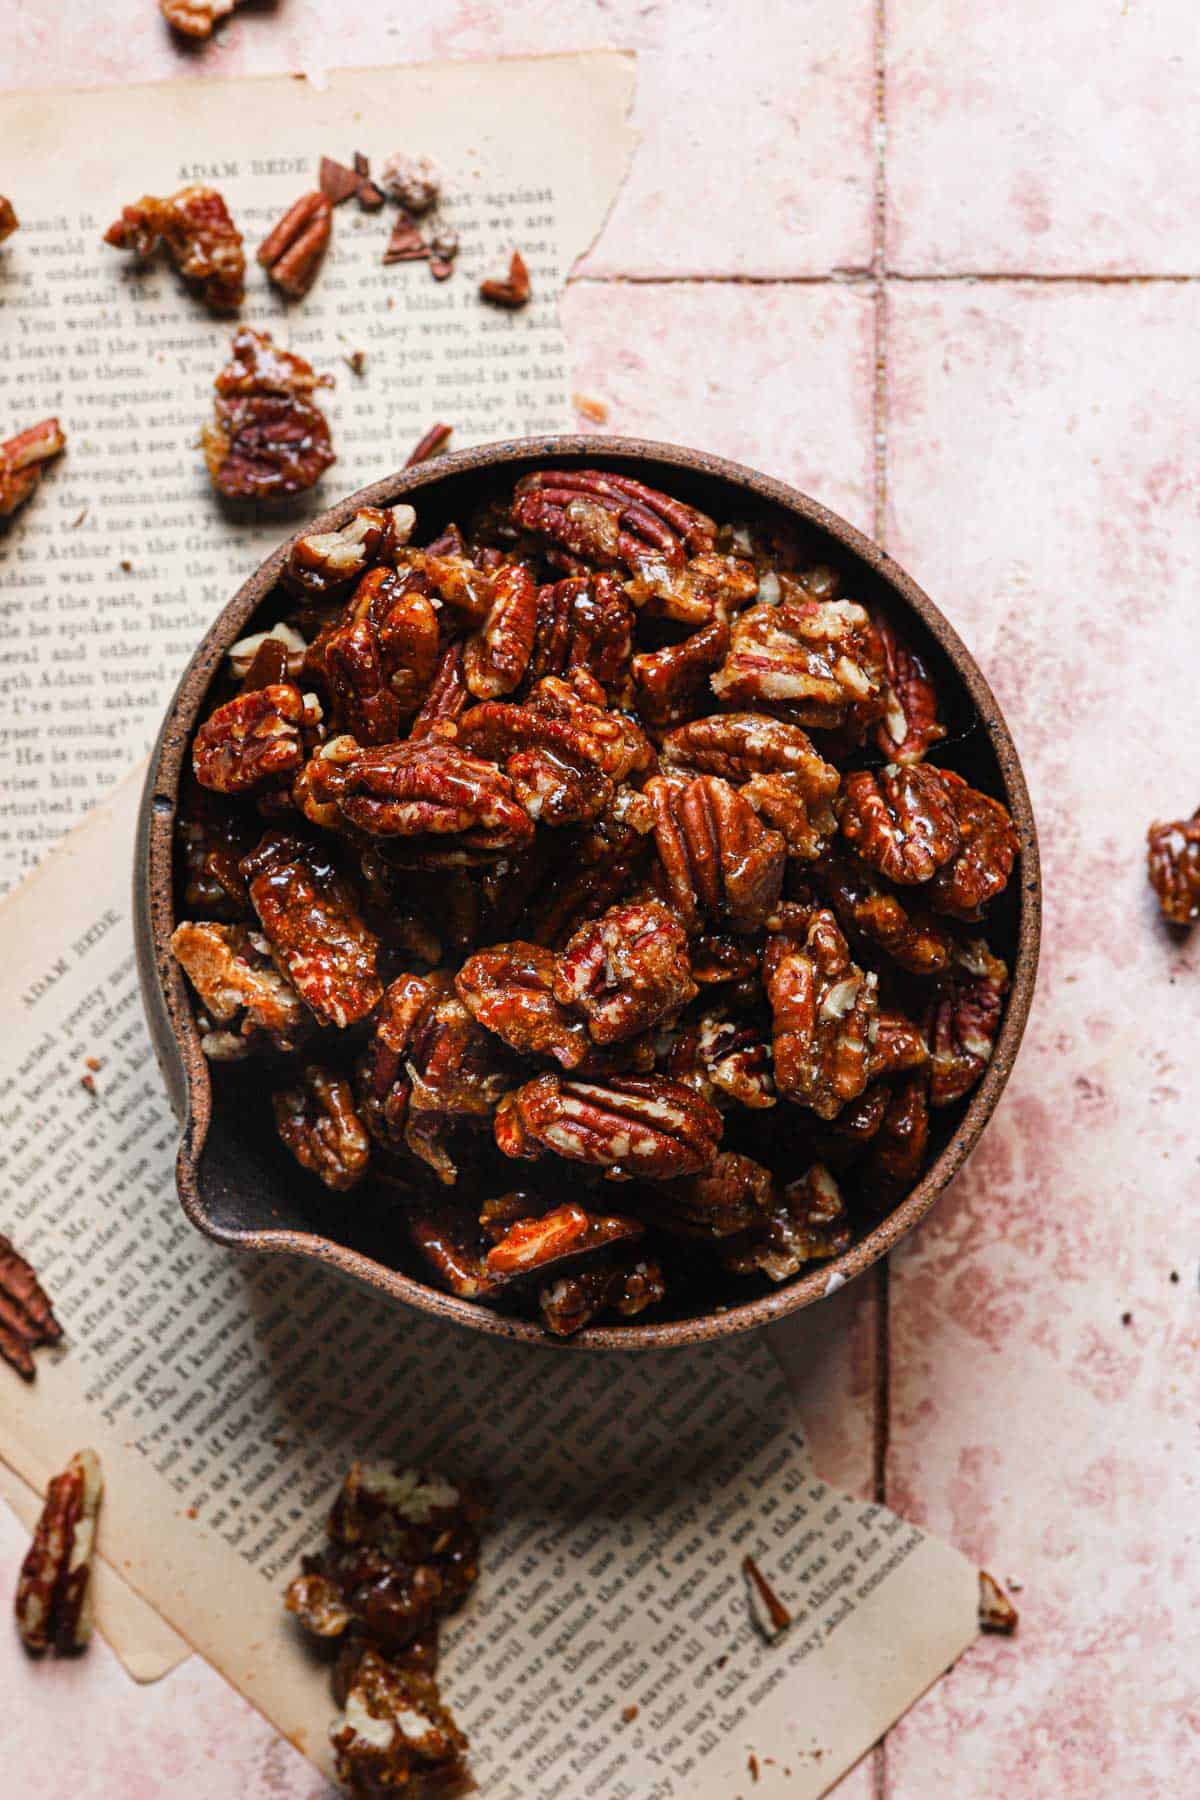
(169, 1010)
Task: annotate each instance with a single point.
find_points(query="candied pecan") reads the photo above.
(285, 647)
(961, 1028)
(430, 443)
(534, 1243)
(509, 990)
(446, 696)
(196, 18)
(584, 622)
(823, 1006)
(394, 1733)
(987, 851)
(254, 741)
(818, 659)
(258, 366)
(563, 754)
(636, 1125)
(897, 1044)
(996, 1611)
(707, 587)
(497, 655)
(605, 520)
(859, 1121)
(54, 1588)
(379, 657)
(9, 221)
(724, 1059)
(774, 764)
(27, 1318)
(672, 682)
(466, 589)
(320, 1127)
(902, 821)
(896, 924)
(626, 970)
(21, 459)
(624, 1281)
(230, 968)
(412, 181)
(293, 252)
(200, 238)
(910, 720)
(310, 915)
(717, 960)
(1173, 863)
(900, 1145)
(513, 291)
(325, 562)
(266, 439)
(428, 791)
(732, 1195)
(598, 867)
(719, 862)
(213, 840)
(449, 1239)
(806, 1222)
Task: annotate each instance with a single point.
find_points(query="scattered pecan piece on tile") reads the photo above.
(961, 1028)
(807, 1222)
(725, 1059)
(625, 1282)
(240, 988)
(902, 822)
(379, 657)
(996, 1611)
(672, 683)
(254, 741)
(635, 1125)
(9, 221)
(605, 520)
(27, 1318)
(497, 655)
(412, 181)
(54, 1588)
(310, 915)
(196, 18)
(318, 1123)
(584, 622)
(394, 1733)
(720, 864)
(820, 661)
(987, 851)
(513, 290)
(430, 444)
(1173, 865)
(626, 971)
(910, 724)
(293, 252)
(22, 458)
(267, 439)
(565, 1231)
(898, 924)
(509, 989)
(199, 236)
(823, 1006)
(774, 764)
(424, 791)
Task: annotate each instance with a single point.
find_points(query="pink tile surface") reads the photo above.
(1040, 447)
(733, 368)
(1042, 138)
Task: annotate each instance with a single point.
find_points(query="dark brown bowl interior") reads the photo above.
(235, 1181)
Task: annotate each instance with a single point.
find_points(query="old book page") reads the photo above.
(609, 1649)
(110, 575)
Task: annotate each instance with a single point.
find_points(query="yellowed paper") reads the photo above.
(114, 569)
(609, 1650)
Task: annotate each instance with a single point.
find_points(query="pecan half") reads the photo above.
(621, 1280)
(379, 658)
(604, 520)
(1173, 867)
(897, 1044)
(428, 790)
(988, 847)
(293, 252)
(199, 236)
(497, 655)
(725, 1059)
(254, 741)
(513, 291)
(719, 862)
(318, 1123)
(775, 765)
(563, 754)
(54, 1588)
(902, 821)
(626, 971)
(310, 915)
(196, 18)
(584, 622)
(961, 1028)
(27, 1318)
(672, 683)
(806, 1223)
(267, 440)
(636, 1125)
(22, 458)
(449, 1239)
(820, 661)
(823, 1006)
(231, 970)
(530, 1244)
(394, 1733)
(446, 696)
(897, 924)
(732, 1195)
(899, 1147)
(909, 725)
(509, 989)
(325, 562)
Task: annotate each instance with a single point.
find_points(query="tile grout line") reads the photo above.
(870, 278)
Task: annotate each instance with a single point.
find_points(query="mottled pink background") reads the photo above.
(939, 264)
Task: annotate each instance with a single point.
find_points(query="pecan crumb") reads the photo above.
(54, 1597)
(752, 1765)
(412, 181)
(356, 362)
(337, 182)
(93, 1062)
(432, 443)
(27, 1319)
(8, 218)
(77, 521)
(996, 1611)
(595, 410)
(769, 1613)
(514, 290)
(88, 1083)
(406, 243)
(628, 1714)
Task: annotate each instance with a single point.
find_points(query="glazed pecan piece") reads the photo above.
(725, 1059)
(988, 847)
(9, 221)
(199, 236)
(318, 1123)
(910, 720)
(719, 862)
(621, 1280)
(706, 588)
(310, 915)
(636, 1125)
(281, 650)
(394, 1733)
(900, 1145)
(379, 657)
(732, 1195)
(448, 1238)
(775, 765)
(604, 521)
(867, 909)
(807, 1222)
(819, 660)
(961, 1028)
(599, 865)
(254, 741)
(196, 18)
(497, 655)
(429, 790)
(1173, 866)
(54, 1588)
(823, 1006)
(897, 1044)
(584, 622)
(672, 683)
(267, 439)
(21, 461)
(534, 1243)
(509, 989)
(446, 696)
(240, 989)
(325, 562)
(903, 822)
(27, 1318)
(293, 252)
(459, 583)
(626, 970)
(563, 753)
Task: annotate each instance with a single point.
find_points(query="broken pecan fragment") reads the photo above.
(412, 181)
(961, 1029)
(293, 252)
(622, 1280)
(27, 1318)
(196, 18)
(719, 862)
(1173, 864)
(432, 443)
(426, 790)
(21, 461)
(996, 1611)
(672, 683)
(565, 1231)
(509, 989)
(254, 741)
(820, 661)
(240, 988)
(266, 440)
(9, 221)
(725, 1059)
(732, 1195)
(563, 754)
(199, 236)
(318, 1123)
(626, 971)
(394, 1733)
(446, 696)
(902, 821)
(450, 1240)
(54, 1588)
(774, 764)
(636, 1125)
(406, 243)
(869, 910)
(513, 291)
(326, 562)
(807, 1221)
(899, 1147)
(823, 1006)
(910, 719)
(310, 915)
(897, 1045)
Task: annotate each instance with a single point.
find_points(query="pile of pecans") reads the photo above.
(584, 893)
